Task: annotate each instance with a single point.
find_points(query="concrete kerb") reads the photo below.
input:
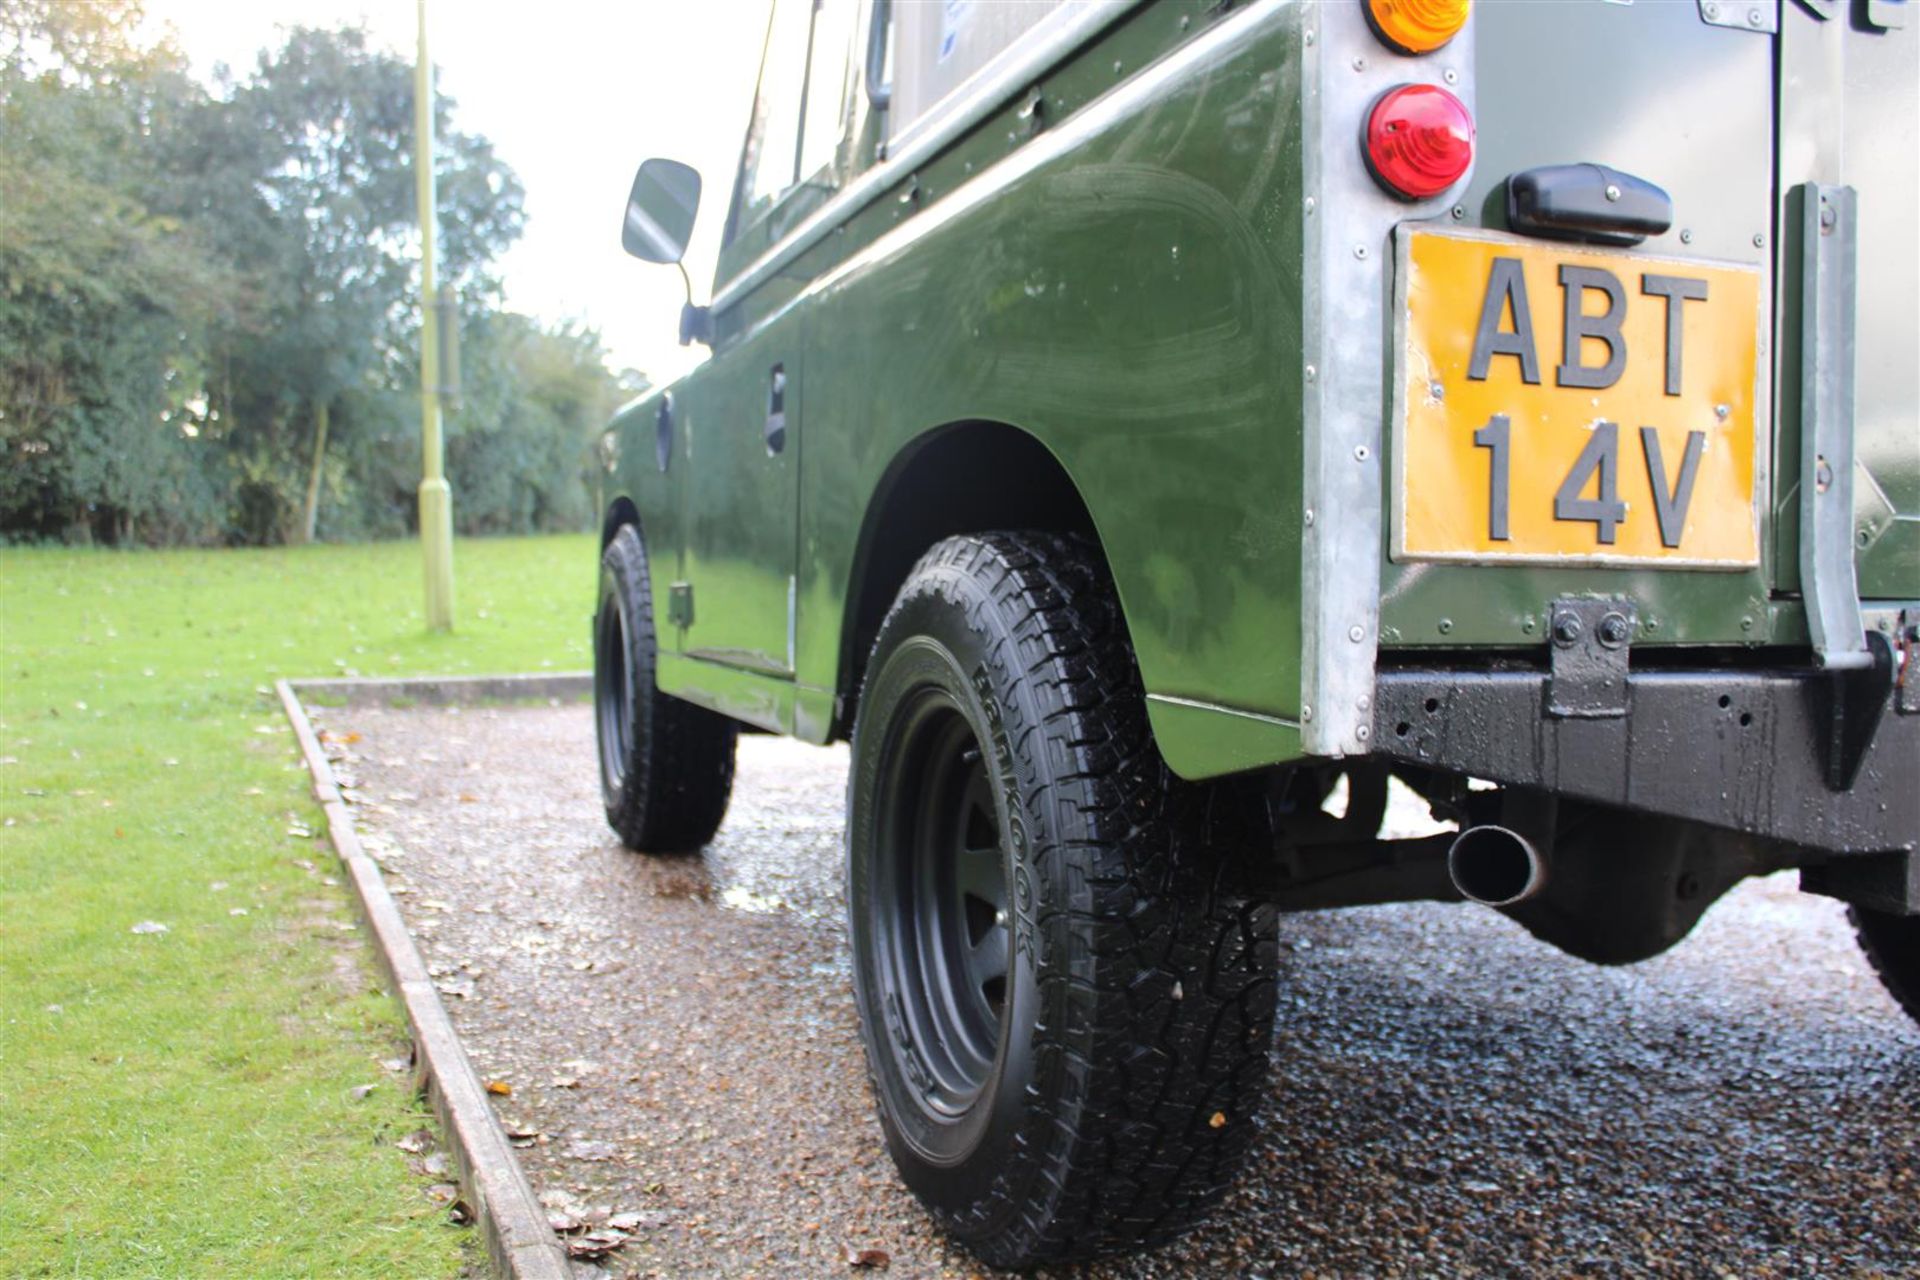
(446, 691)
(520, 1244)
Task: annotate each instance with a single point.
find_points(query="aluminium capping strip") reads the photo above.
(968, 106)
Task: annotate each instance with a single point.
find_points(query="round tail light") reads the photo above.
(1416, 26)
(1419, 140)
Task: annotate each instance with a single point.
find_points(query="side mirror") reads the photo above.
(660, 210)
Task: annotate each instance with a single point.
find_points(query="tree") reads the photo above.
(104, 300)
(328, 234)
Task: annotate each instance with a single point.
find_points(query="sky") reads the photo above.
(573, 95)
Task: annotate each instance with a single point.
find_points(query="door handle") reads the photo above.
(775, 430)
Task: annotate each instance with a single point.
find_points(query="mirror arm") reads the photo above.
(696, 323)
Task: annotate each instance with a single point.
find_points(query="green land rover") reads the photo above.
(1145, 430)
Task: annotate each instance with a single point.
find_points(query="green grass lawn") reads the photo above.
(182, 1103)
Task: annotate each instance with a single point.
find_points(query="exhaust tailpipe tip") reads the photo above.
(1496, 866)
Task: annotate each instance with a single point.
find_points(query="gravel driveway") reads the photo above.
(1450, 1098)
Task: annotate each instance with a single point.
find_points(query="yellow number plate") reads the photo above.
(1564, 405)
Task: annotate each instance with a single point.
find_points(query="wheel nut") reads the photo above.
(1566, 630)
(1614, 631)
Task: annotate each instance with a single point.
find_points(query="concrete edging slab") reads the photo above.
(520, 1244)
(446, 691)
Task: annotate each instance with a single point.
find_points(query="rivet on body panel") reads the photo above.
(1356, 633)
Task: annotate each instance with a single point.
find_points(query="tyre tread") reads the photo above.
(678, 784)
(1127, 1151)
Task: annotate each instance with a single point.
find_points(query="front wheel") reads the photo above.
(1892, 944)
(666, 766)
(1066, 994)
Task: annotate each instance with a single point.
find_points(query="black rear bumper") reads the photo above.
(1746, 750)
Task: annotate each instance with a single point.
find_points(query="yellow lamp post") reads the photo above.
(436, 497)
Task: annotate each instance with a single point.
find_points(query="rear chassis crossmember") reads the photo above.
(1751, 751)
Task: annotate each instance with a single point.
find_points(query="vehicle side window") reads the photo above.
(799, 109)
(829, 86)
(939, 44)
(769, 163)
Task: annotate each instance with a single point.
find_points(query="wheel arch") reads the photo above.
(620, 511)
(969, 476)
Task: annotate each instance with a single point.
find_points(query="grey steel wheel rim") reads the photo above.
(939, 903)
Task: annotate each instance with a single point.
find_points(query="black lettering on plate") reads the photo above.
(1605, 510)
(1671, 506)
(1506, 287)
(1574, 283)
(1496, 438)
(1678, 291)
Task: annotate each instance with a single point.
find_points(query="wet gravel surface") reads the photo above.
(1450, 1097)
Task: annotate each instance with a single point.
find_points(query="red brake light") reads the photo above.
(1419, 140)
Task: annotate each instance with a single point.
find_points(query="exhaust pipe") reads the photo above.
(1496, 866)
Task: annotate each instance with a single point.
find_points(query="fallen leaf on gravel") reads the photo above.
(148, 926)
(591, 1151)
(416, 1142)
(434, 1165)
(467, 799)
(595, 1244)
(873, 1259)
(395, 1064)
(566, 1082)
(565, 1223)
(444, 1192)
(500, 1088)
(626, 1221)
(360, 1091)
(1219, 1120)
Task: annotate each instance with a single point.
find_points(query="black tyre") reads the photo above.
(1066, 994)
(666, 766)
(1892, 944)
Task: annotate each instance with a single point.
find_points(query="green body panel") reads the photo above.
(1122, 272)
(1128, 304)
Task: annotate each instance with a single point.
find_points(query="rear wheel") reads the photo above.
(1066, 993)
(666, 766)
(1892, 944)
